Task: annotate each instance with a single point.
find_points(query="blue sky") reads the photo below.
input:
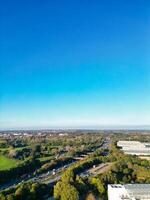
(74, 63)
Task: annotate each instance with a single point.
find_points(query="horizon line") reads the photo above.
(100, 127)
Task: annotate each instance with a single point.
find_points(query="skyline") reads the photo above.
(74, 64)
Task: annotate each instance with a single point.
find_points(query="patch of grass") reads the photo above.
(7, 163)
(45, 159)
(4, 149)
(143, 174)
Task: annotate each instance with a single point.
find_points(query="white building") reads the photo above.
(134, 147)
(129, 192)
(63, 134)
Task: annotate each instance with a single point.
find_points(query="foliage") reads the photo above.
(6, 163)
(28, 191)
(21, 169)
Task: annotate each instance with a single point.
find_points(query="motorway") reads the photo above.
(95, 170)
(33, 178)
(47, 177)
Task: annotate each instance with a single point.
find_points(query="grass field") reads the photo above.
(6, 163)
(142, 174)
(49, 158)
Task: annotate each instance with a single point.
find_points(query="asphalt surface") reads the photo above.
(48, 175)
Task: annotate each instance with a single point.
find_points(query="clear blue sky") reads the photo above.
(74, 63)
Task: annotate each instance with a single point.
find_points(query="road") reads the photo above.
(95, 170)
(48, 176)
(36, 178)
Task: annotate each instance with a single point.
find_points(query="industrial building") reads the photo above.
(129, 192)
(134, 147)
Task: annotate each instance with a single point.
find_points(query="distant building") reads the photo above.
(17, 134)
(63, 134)
(134, 147)
(129, 192)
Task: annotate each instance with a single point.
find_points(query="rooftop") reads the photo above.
(130, 191)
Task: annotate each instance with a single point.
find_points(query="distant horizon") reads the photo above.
(101, 127)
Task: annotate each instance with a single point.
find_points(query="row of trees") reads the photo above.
(28, 191)
(54, 164)
(23, 168)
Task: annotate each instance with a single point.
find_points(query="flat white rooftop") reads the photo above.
(134, 147)
(129, 192)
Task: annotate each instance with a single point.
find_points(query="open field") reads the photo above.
(6, 163)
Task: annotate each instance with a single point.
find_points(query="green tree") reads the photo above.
(2, 197)
(22, 192)
(68, 176)
(58, 189)
(69, 192)
(99, 186)
(11, 197)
